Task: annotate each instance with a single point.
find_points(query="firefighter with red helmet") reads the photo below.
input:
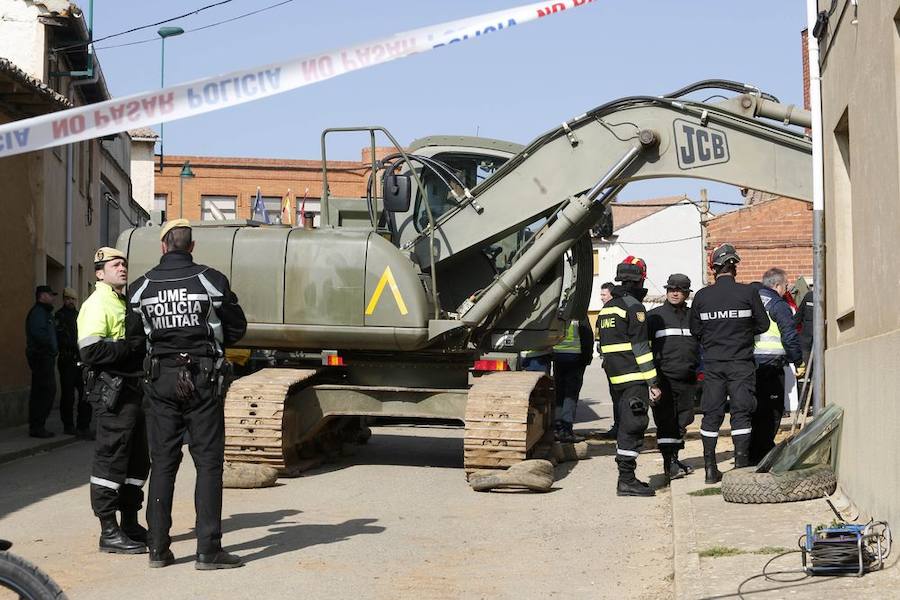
(628, 362)
(725, 318)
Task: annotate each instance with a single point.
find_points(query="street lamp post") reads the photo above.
(164, 32)
(186, 173)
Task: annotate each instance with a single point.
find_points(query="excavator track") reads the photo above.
(507, 413)
(255, 428)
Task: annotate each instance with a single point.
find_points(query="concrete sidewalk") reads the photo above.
(719, 545)
(16, 443)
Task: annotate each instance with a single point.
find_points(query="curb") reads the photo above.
(686, 558)
(37, 449)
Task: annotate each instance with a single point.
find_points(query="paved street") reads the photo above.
(396, 520)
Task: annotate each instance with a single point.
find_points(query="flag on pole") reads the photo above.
(259, 209)
(302, 219)
(287, 213)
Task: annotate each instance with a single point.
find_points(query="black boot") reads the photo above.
(677, 469)
(713, 475)
(113, 539)
(685, 469)
(670, 470)
(161, 558)
(633, 487)
(132, 528)
(741, 451)
(217, 560)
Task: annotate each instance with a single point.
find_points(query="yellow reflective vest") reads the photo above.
(571, 344)
(769, 343)
(102, 317)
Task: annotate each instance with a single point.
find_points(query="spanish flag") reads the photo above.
(287, 210)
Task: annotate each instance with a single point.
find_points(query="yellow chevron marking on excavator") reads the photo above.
(386, 278)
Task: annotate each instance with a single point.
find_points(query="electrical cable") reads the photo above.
(768, 575)
(133, 29)
(216, 24)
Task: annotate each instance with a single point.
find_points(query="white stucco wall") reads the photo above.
(22, 41)
(640, 239)
(142, 173)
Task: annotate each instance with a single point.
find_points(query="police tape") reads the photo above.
(215, 93)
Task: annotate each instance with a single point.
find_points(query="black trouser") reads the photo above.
(568, 375)
(70, 383)
(633, 420)
(732, 381)
(203, 417)
(121, 462)
(615, 411)
(673, 412)
(769, 409)
(43, 390)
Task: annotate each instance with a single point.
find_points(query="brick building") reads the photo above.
(228, 186)
(768, 232)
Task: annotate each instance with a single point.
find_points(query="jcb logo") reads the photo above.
(699, 146)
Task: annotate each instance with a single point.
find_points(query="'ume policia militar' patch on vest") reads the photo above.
(174, 308)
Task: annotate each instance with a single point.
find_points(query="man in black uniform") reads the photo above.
(725, 317)
(190, 314)
(628, 362)
(40, 350)
(676, 355)
(70, 379)
(111, 346)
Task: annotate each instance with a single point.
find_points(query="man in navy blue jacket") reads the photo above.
(772, 351)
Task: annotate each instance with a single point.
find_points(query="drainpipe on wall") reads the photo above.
(70, 157)
(704, 217)
(815, 101)
(93, 77)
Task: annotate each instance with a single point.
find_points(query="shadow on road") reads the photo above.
(289, 538)
(29, 480)
(389, 448)
(283, 536)
(246, 521)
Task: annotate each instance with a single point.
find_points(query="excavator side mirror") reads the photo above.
(396, 193)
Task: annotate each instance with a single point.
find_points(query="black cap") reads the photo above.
(724, 255)
(626, 272)
(679, 281)
(44, 288)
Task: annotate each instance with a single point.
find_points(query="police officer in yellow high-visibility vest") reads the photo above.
(628, 362)
(772, 350)
(111, 347)
(570, 358)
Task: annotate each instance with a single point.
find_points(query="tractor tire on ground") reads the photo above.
(26, 580)
(746, 486)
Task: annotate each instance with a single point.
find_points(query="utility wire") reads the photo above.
(133, 29)
(216, 24)
(656, 243)
(662, 205)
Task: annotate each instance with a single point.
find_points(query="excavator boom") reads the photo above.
(725, 142)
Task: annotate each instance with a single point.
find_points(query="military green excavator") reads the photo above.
(464, 247)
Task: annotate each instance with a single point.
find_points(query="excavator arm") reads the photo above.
(626, 140)
(727, 142)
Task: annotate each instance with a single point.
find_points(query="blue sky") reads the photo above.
(512, 85)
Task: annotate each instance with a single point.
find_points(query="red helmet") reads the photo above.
(632, 269)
